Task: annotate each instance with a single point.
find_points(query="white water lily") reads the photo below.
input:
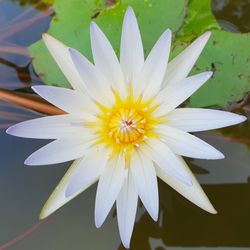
(122, 126)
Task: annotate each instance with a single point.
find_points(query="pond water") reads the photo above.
(181, 225)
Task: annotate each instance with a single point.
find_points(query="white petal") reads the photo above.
(126, 205)
(131, 52)
(60, 53)
(185, 144)
(96, 84)
(109, 186)
(193, 193)
(196, 119)
(144, 176)
(171, 97)
(71, 101)
(153, 70)
(57, 199)
(50, 127)
(180, 66)
(89, 170)
(166, 160)
(61, 150)
(106, 60)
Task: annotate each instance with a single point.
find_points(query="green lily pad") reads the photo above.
(72, 20)
(199, 19)
(226, 54)
(49, 1)
(70, 25)
(154, 17)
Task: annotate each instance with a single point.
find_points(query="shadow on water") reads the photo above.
(181, 225)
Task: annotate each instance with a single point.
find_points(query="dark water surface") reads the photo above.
(181, 225)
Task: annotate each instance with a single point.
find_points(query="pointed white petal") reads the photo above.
(131, 52)
(185, 144)
(57, 199)
(193, 193)
(106, 60)
(126, 205)
(153, 70)
(50, 127)
(109, 186)
(89, 170)
(167, 160)
(180, 66)
(60, 53)
(96, 84)
(61, 150)
(144, 176)
(197, 119)
(71, 101)
(171, 97)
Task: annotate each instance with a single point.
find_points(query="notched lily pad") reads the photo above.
(72, 20)
(198, 19)
(226, 54)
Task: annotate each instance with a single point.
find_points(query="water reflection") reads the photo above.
(235, 168)
(20, 27)
(23, 190)
(232, 15)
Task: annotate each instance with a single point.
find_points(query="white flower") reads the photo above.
(122, 126)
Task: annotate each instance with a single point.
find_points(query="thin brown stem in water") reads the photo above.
(30, 101)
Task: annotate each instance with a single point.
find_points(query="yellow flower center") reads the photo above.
(126, 125)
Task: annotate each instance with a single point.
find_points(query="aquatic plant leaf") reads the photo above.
(49, 1)
(226, 54)
(71, 25)
(198, 19)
